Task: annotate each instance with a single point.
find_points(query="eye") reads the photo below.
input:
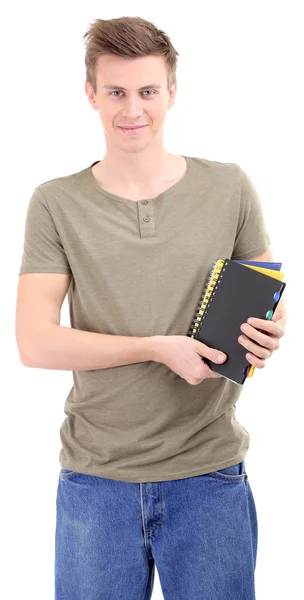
(120, 92)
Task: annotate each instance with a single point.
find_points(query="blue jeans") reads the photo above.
(200, 532)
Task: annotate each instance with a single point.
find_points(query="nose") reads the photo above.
(132, 107)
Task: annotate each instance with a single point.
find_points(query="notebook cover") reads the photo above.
(240, 293)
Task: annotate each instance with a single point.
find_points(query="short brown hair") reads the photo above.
(127, 37)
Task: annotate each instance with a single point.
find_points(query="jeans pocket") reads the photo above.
(234, 473)
(66, 473)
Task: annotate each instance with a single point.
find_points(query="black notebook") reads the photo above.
(233, 293)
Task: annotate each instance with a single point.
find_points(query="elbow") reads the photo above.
(25, 360)
(24, 355)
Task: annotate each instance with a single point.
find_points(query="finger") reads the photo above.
(263, 339)
(271, 327)
(255, 361)
(259, 351)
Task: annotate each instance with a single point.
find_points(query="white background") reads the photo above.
(239, 99)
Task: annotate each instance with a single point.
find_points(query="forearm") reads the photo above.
(59, 347)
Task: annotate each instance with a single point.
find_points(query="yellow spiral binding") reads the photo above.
(208, 290)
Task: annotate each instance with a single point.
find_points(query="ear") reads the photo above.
(172, 94)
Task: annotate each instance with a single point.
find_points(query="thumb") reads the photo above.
(276, 316)
(213, 354)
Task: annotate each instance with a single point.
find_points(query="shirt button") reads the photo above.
(144, 201)
(146, 219)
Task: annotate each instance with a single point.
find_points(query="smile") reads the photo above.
(132, 130)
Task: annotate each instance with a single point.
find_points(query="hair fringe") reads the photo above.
(128, 37)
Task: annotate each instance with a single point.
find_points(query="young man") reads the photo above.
(152, 459)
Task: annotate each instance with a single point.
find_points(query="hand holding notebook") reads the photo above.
(261, 337)
(235, 291)
(184, 356)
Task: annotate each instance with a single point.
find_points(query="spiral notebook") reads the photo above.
(233, 292)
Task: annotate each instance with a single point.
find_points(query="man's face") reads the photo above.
(131, 106)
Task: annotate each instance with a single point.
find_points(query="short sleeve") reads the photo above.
(43, 251)
(252, 236)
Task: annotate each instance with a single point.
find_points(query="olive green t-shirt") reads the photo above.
(138, 269)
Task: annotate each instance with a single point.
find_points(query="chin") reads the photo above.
(134, 147)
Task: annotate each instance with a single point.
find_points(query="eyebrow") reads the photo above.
(110, 86)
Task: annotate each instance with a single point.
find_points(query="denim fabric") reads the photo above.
(199, 532)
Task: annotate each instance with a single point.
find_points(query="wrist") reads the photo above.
(154, 342)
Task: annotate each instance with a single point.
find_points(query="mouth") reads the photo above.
(130, 130)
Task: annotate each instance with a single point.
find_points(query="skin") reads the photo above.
(137, 166)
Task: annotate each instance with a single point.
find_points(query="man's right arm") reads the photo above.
(59, 347)
(43, 343)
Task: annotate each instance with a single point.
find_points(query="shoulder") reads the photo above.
(215, 166)
(59, 188)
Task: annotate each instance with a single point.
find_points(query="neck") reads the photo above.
(135, 169)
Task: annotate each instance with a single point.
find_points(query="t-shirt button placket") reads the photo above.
(148, 218)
